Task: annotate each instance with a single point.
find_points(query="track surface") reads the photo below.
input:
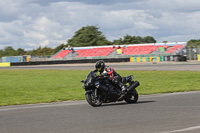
(163, 113)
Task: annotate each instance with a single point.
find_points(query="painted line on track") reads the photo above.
(168, 94)
(42, 105)
(183, 130)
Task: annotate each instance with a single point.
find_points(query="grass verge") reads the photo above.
(39, 86)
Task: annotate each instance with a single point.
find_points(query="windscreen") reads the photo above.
(90, 77)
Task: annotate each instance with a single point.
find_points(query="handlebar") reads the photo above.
(102, 77)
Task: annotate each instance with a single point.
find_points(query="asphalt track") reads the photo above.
(161, 113)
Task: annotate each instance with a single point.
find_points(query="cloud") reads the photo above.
(29, 24)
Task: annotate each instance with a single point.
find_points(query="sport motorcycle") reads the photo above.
(100, 89)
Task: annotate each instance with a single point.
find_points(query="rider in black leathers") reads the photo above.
(104, 70)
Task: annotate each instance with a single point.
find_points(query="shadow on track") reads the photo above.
(124, 103)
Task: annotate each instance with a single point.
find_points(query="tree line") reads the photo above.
(86, 36)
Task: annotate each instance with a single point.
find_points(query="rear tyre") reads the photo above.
(132, 97)
(93, 100)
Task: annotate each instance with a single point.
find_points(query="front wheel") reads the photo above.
(131, 97)
(94, 100)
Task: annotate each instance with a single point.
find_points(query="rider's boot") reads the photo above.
(123, 88)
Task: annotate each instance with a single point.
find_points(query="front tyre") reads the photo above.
(94, 100)
(131, 97)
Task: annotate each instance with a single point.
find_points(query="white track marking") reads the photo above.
(183, 130)
(32, 106)
(168, 94)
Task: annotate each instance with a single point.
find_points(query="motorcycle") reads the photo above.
(100, 90)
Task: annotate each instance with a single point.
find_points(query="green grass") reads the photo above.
(39, 86)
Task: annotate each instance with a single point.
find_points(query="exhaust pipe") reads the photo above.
(133, 86)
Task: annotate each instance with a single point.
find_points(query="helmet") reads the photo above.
(100, 65)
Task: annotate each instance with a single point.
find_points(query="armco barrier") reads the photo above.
(147, 59)
(155, 59)
(131, 59)
(198, 57)
(158, 59)
(162, 58)
(143, 59)
(135, 59)
(138, 59)
(5, 64)
(151, 59)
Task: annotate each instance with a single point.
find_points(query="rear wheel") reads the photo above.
(94, 100)
(131, 97)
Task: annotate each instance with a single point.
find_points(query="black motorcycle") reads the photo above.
(100, 90)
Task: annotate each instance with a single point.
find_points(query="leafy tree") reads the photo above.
(194, 43)
(9, 51)
(118, 42)
(127, 39)
(165, 41)
(88, 36)
(149, 39)
(45, 51)
(134, 40)
(1, 53)
(20, 51)
(41, 52)
(58, 48)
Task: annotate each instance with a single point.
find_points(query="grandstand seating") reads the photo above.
(134, 50)
(129, 50)
(94, 52)
(174, 48)
(62, 54)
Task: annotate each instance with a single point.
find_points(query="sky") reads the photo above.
(29, 24)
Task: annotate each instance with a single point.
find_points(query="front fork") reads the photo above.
(90, 91)
(95, 93)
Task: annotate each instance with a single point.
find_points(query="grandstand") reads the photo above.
(175, 48)
(143, 49)
(62, 54)
(101, 51)
(126, 50)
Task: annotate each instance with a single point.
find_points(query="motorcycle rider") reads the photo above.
(104, 70)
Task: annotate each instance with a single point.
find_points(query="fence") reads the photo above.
(192, 53)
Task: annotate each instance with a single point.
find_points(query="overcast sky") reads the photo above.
(29, 24)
